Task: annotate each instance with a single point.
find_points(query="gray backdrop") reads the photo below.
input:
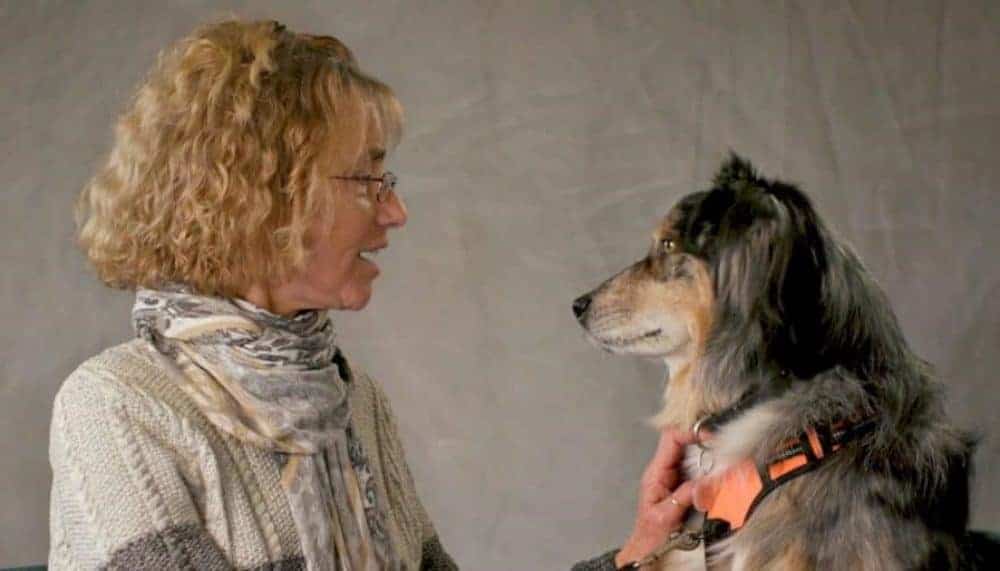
(544, 140)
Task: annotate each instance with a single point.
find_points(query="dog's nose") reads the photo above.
(580, 305)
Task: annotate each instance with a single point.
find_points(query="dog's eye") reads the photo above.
(669, 245)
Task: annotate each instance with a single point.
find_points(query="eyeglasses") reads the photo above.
(385, 183)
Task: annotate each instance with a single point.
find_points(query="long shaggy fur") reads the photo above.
(797, 320)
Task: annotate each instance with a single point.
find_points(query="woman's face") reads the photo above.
(340, 271)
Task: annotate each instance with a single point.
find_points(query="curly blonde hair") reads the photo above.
(223, 157)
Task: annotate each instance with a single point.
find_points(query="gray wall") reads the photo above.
(544, 140)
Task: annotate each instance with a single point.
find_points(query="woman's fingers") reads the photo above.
(662, 502)
(663, 470)
(670, 512)
(670, 450)
(655, 522)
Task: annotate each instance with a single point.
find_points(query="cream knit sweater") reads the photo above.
(141, 480)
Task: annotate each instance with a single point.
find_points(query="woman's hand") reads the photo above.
(663, 498)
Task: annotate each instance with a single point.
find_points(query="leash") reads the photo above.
(686, 540)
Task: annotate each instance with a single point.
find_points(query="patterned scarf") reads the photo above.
(278, 383)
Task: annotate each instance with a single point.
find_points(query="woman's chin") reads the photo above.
(356, 297)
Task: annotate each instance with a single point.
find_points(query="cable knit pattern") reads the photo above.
(142, 480)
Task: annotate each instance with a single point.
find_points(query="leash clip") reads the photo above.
(686, 540)
(696, 428)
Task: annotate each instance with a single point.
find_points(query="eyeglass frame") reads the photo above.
(386, 183)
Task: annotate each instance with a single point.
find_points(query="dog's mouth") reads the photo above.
(626, 341)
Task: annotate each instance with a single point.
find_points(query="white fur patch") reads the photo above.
(737, 441)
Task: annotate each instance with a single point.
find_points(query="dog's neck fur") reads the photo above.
(685, 398)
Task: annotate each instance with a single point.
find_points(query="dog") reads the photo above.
(776, 337)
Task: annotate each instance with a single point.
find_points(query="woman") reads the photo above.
(244, 197)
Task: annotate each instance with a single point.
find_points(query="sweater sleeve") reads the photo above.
(433, 555)
(604, 562)
(118, 497)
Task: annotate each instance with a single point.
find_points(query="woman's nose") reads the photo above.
(392, 212)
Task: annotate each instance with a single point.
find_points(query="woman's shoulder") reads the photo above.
(112, 373)
(125, 383)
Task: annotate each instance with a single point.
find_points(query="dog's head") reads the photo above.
(740, 272)
(660, 306)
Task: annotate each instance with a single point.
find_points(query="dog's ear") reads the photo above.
(756, 246)
(755, 238)
(736, 172)
(769, 268)
(789, 294)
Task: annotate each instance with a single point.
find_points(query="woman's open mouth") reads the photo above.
(370, 254)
